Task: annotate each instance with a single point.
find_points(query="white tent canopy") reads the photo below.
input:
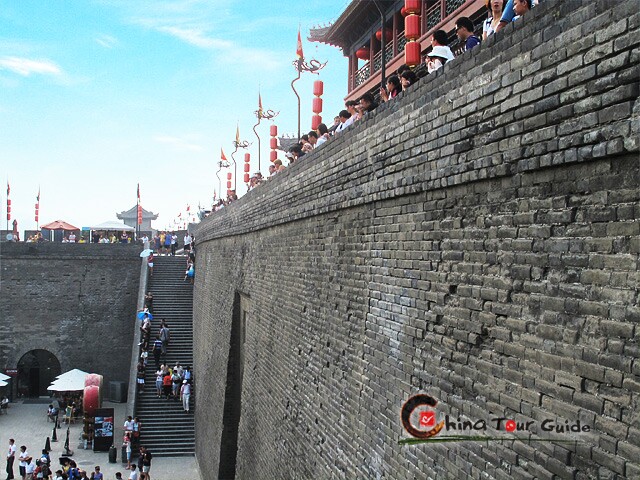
(4, 377)
(3, 383)
(112, 225)
(70, 381)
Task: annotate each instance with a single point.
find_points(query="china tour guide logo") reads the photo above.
(420, 420)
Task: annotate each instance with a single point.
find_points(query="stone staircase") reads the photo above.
(165, 428)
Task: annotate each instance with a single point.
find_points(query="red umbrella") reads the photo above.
(59, 225)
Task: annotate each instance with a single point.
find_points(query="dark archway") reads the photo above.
(36, 370)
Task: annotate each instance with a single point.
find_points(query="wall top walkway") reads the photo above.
(556, 87)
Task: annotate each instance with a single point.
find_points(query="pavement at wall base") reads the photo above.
(26, 422)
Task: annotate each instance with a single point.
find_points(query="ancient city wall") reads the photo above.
(77, 301)
(476, 239)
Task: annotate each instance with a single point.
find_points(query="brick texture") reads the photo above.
(78, 301)
(476, 239)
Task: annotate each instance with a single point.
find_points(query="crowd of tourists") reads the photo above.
(500, 13)
(40, 466)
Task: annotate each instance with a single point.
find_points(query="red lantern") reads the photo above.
(247, 157)
(412, 54)
(317, 105)
(36, 218)
(403, 12)
(229, 185)
(315, 121)
(388, 35)
(273, 143)
(413, 6)
(273, 130)
(274, 156)
(247, 168)
(8, 216)
(412, 27)
(8, 201)
(229, 176)
(8, 209)
(246, 178)
(363, 53)
(318, 88)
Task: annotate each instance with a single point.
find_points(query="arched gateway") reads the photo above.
(36, 370)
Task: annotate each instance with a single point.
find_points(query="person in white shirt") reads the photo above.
(23, 462)
(31, 467)
(72, 238)
(134, 473)
(11, 457)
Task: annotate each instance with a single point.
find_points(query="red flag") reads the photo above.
(188, 207)
(222, 155)
(138, 193)
(299, 49)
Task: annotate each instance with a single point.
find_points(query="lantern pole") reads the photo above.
(268, 115)
(313, 66)
(383, 53)
(237, 143)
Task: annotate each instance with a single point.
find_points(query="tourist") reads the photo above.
(513, 10)
(140, 376)
(150, 263)
(279, 166)
(174, 243)
(156, 242)
(175, 384)
(495, 8)
(148, 301)
(408, 78)
(128, 425)
(344, 115)
(159, 377)
(464, 30)
(185, 395)
(72, 237)
(30, 468)
(146, 463)
(313, 139)
(440, 53)
(124, 238)
(11, 456)
(351, 106)
(144, 356)
(97, 474)
(157, 351)
(394, 87)
(118, 476)
(145, 333)
(167, 243)
(126, 443)
(136, 430)
(23, 461)
(323, 134)
(165, 336)
(187, 242)
(144, 240)
(134, 473)
(166, 385)
(272, 170)
(367, 103)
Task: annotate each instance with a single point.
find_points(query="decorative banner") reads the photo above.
(8, 202)
(299, 52)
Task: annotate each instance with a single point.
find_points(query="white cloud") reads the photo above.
(26, 66)
(196, 37)
(178, 143)
(107, 41)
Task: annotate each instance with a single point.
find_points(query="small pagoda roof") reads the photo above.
(351, 25)
(133, 212)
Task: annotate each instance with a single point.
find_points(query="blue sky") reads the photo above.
(98, 95)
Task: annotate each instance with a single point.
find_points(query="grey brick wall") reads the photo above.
(77, 301)
(476, 239)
